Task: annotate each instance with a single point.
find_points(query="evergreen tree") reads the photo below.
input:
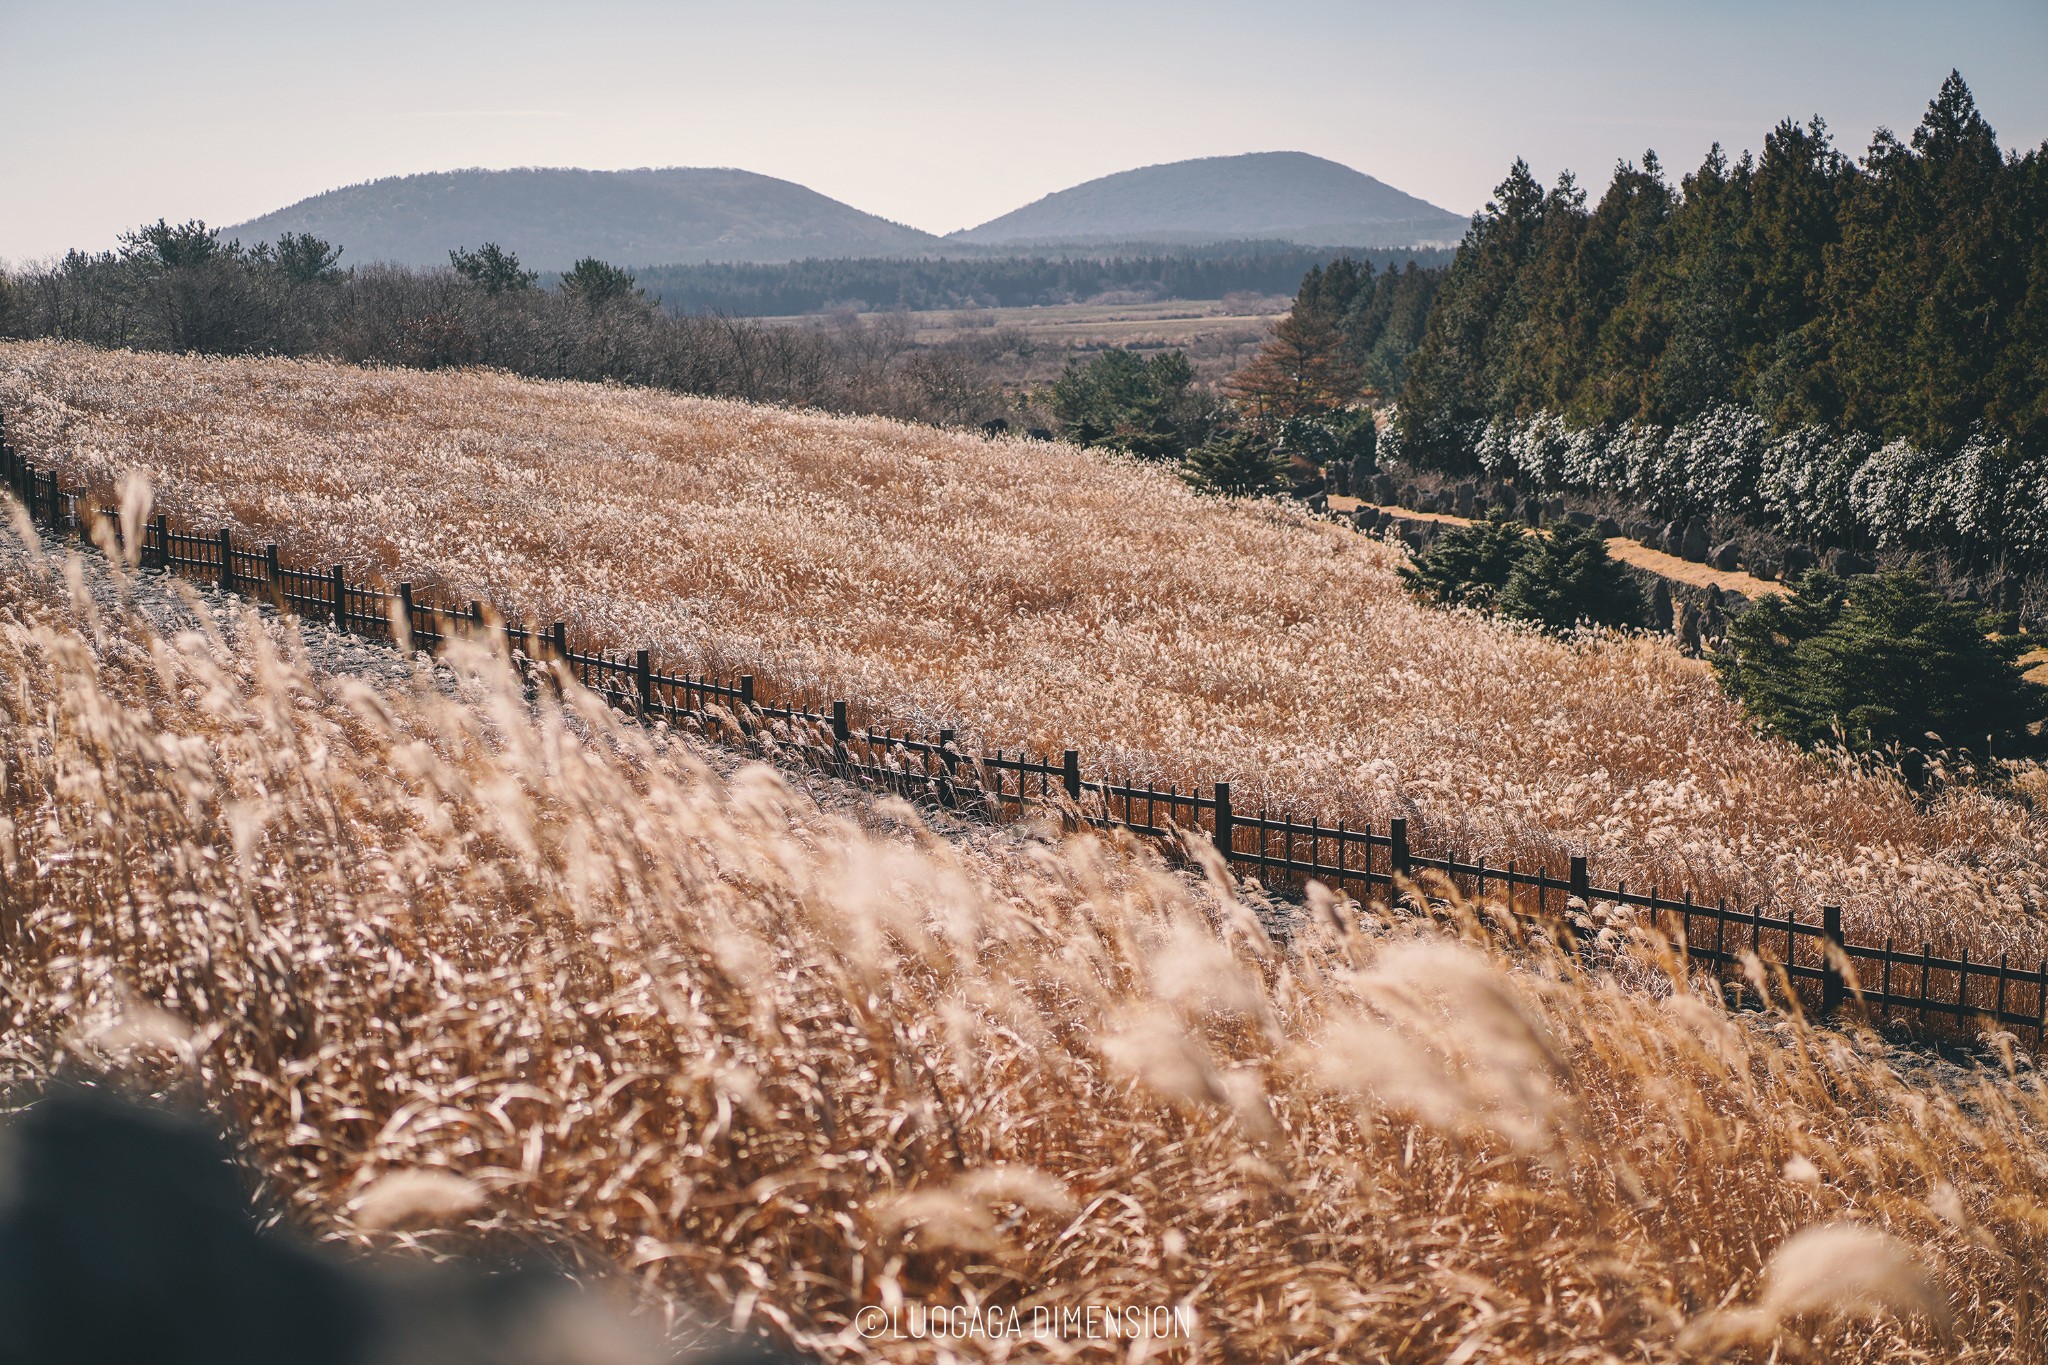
(1603, 383)
(1236, 463)
(1301, 371)
(306, 259)
(181, 246)
(1150, 408)
(1567, 579)
(1476, 312)
(1880, 663)
(598, 283)
(492, 269)
(1469, 566)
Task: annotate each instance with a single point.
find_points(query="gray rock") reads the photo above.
(1798, 559)
(1848, 564)
(1580, 519)
(1696, 543)
(1727, 556)
(1608, 528)
(1670, 538)
(1462, 499)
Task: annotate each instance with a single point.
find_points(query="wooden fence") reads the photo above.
(1917, 991)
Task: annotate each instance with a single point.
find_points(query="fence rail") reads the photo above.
(1899, 987)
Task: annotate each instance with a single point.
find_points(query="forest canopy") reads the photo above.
(1900, 297)
(1841, 352)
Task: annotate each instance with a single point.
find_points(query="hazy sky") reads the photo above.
(940, 115)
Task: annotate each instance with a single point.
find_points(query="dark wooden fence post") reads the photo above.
(340, 582)
(405, 615)
(1397, 830)
(1581, 884)
(1223, 820)
(270, 563)
(946, 751)
(227, 561)
(1834, 987)
(840, 732)
(558, 635)
(163, 543)
(643, 679)
(1070, 774)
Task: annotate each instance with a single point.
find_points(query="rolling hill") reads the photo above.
(551, 218)
(1289, 195)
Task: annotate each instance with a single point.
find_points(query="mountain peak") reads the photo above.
(1292, 195)
(550, 217)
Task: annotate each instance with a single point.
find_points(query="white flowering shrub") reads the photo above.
(1389, 423)
(1495, 456)
(1538, 447)
(1588, 462)
(1648, 473)
(1723, 454)
(1810, 484)
(1803, 487)
(1890, 493)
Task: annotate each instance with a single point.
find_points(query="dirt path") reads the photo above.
(1627, 551)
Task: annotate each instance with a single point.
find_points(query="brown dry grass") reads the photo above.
(1034, 593)
(734, 1046)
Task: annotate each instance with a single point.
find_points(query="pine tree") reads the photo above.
(1880, 663)
(1469, 566)
(598, 283)
(492, 268)
(1476, 311)
(1567, 580)
(1238, 463)
(1301, 371)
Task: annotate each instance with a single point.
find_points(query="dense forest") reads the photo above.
(1849, 352)
(865, 285)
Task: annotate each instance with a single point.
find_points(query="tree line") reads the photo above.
(1852, 351)
(183, 288)
(868, 285)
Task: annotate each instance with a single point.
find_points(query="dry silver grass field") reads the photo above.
(465, 968)
(1034, 593)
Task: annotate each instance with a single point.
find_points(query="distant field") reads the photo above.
(1218, 336)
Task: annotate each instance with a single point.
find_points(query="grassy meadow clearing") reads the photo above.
(1032, 593)
(752, 1052)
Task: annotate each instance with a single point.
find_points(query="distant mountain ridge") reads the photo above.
(1289, 195)
(552, 217)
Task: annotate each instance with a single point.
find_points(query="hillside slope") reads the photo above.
(700, 1033)
(552, 217)
(1289, 195)
(1027, 592)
